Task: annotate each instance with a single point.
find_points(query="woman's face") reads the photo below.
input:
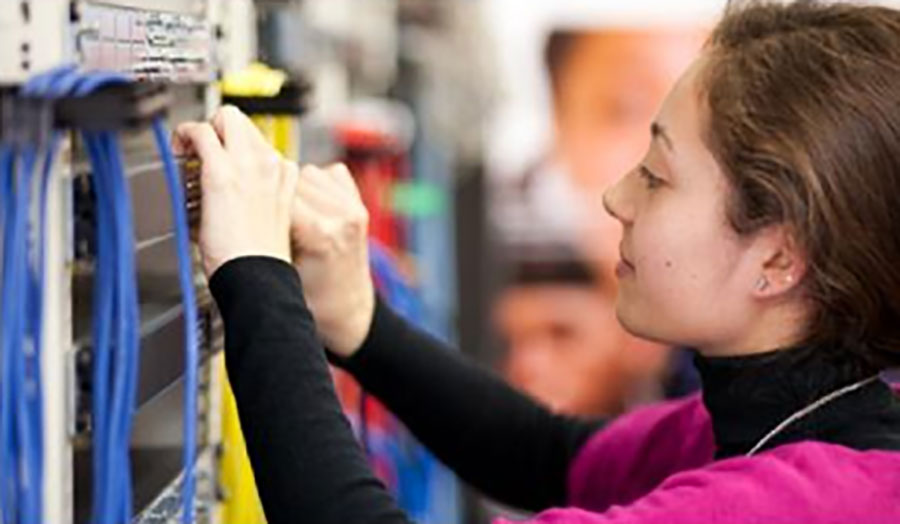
(685, 277)
(609, 89)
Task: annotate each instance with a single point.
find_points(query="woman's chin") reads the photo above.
(625, 316)
(637, 323)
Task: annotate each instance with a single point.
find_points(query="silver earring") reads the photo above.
(762, 284)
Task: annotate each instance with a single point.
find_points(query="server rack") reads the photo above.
(179, 43)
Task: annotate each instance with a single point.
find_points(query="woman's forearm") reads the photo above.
(495, 438)
(307, 465)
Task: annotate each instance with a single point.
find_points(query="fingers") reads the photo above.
(237, 129)
(334, 178)
(341, 174)
(231, 126)
(200, 138)
(319, 199)
(319, 178)
(309, 228)
(179, 146)
(319, 189)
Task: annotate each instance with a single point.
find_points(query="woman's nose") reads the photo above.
(613, 201)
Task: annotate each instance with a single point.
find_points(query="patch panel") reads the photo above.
(146, 44)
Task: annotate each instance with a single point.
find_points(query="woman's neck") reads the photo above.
(771, 328)
(749, 395)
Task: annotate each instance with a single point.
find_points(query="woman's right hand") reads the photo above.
(247, 189)
(329, 233)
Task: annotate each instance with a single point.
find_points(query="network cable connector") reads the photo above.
(24, 121)
(31, 119)
(123, 106)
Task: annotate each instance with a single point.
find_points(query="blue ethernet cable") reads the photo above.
(115, 346)
(104, 311)
(17, 425)
(128, 301)
(101, 327)
(29, 424)
(48, 85)
(38, 281)
(28, 439)
(186, 281)
(39, 86)
(115, 363)
(111, 456)
(104, 304)
(122, 425)
(118, 321)
(116, 315)
(53, 84)
(103, 495)
(21, 436)
(65, 81)
(10, 277)
(8, 455)
(21, 444)
(7, 452)
(16, 501)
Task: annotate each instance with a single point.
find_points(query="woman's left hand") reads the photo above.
(247, 189)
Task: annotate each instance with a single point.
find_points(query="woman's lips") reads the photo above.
(624, 267)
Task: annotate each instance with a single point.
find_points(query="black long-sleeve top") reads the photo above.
(309, 468)
(300, 444)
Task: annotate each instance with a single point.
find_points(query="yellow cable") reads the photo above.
(255, 80)
(242, 504)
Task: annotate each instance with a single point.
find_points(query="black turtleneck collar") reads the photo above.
(748, 396)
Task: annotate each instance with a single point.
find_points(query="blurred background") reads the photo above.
(482, 134)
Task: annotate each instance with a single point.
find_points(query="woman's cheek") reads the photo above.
(670, 265)
(665, 276)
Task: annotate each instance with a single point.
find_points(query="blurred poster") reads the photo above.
(600, 81)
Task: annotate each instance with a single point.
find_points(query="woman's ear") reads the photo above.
(782, 263)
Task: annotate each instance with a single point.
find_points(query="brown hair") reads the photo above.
(803, 107)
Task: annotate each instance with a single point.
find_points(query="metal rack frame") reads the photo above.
(36, 35)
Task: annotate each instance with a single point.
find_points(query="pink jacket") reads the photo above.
(656, 465)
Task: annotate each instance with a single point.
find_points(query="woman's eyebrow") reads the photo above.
(657, 131)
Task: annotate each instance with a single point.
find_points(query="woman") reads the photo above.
(759, 229)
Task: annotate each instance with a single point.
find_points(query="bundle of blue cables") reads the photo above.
(116, 318)
(20, 403)
(21, 302)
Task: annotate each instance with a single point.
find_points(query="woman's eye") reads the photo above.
(652, 180)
